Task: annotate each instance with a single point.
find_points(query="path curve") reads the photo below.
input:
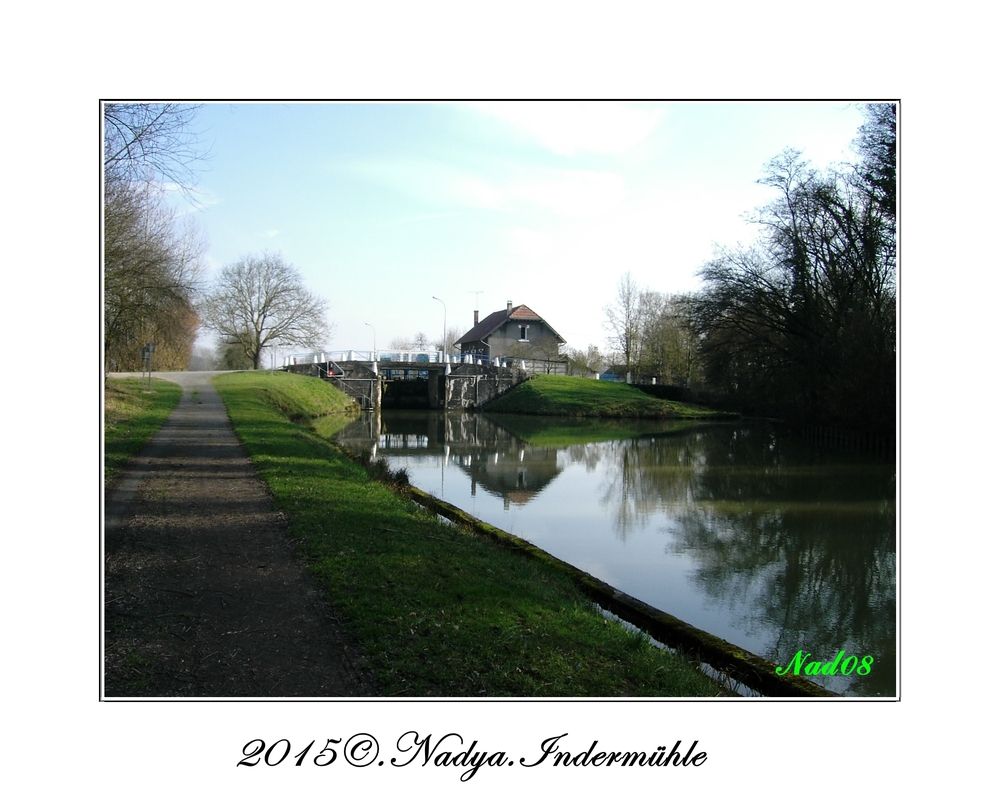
(205, 595)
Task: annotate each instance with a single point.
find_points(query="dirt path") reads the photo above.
(205, 596)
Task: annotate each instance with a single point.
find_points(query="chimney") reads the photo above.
(509, 305)
(475, 317)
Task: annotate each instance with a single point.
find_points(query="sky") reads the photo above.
(383, 207)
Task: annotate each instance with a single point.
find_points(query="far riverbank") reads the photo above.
(570, 396)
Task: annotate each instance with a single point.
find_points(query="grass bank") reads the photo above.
(571, 396)
(134, 410)
(440, 611)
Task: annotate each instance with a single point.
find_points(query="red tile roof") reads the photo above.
(522, 312)
(492, 322)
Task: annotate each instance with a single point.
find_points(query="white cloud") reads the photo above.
(531, 245)
(433, 182)
(500, 186)
(571, 128)
(571, 193)
(417, 218)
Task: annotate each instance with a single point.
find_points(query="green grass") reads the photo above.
(132, 414)
(299, 397)
(571, 396)
(440, 612)
(556, 432)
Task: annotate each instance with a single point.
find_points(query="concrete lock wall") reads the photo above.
(471, 386)
(464, 386)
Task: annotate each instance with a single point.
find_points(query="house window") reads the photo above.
(524, 333)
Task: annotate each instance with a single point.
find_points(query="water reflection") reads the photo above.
(767, 542)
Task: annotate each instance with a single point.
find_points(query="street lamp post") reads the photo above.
(376, 394)
(444, 331)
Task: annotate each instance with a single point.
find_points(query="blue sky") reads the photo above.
(383, 206)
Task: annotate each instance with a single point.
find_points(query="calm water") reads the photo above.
(768, 542)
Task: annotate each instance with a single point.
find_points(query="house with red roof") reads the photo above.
(514, 333)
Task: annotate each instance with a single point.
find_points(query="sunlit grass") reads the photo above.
(439, 611)
(134, 410)
(584, 397)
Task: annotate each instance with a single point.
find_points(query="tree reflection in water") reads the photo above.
(792, 546)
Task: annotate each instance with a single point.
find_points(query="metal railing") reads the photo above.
(416, 356)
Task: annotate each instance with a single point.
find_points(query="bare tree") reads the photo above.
(260, 301)
(624, 320)
(669, 342)
(152, 142)
(152, 267)
(584, 362)
(544, 349)
(639, 320)
(453, 333)
(151, 262)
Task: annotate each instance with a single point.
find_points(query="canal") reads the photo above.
(767, 541)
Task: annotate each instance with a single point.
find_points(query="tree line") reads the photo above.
(653, 335)
(154, 288)
(152, 260)
(800, 324)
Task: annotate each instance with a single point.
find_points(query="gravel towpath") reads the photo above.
(205, 595)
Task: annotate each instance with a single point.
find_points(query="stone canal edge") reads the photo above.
(754, 672)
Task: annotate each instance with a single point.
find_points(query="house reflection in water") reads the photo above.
(514, 474)
(495, 460)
